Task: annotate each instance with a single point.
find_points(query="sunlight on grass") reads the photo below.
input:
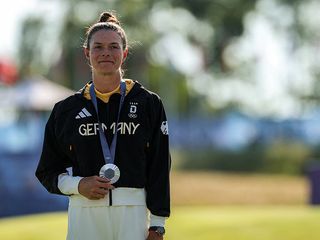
(196, 222)
(245, 223)
(34, 227)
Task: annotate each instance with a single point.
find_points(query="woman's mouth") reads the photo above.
(105, 61)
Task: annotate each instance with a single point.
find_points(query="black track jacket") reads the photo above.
(142, 151)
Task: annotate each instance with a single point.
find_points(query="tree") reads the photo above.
(155, 62)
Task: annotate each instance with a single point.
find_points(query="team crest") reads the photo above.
(164, 128)
(133, 110)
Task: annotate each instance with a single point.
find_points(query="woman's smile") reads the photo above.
(106, 53)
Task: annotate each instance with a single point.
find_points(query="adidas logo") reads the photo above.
(83, 114)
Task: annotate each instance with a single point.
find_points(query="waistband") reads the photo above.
(120, 197)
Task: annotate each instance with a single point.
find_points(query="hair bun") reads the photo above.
(108, 17)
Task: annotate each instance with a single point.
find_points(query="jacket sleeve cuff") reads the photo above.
(157, 220)
(68, 185)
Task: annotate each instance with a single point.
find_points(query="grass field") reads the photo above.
(210, 206)
(245, 223)
(190, 223)
(214, 188)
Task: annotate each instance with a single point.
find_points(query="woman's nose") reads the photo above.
(105, 53)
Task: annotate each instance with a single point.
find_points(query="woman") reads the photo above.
(113, 134)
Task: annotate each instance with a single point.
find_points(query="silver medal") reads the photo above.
(110, 171)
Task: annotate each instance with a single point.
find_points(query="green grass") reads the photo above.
(211, 206)
(245, 223)
(194, 222)
(34, 227)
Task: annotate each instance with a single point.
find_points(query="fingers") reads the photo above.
(101, 179)
(102, 191)
(104, 183)
(98, 193)
(96, 196)
(100, 182)
(94, 187)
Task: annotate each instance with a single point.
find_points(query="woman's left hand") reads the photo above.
(154, 236)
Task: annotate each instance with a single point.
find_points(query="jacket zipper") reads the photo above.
(110, 197)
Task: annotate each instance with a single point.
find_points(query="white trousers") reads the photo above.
(107, 223)
(126, 219)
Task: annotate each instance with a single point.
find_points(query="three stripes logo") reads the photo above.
(83, 114)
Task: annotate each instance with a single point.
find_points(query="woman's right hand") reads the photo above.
(94, 187)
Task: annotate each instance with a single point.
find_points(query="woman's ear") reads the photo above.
(125, 54)
(86, 53)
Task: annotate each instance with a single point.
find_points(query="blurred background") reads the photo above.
(240, 81)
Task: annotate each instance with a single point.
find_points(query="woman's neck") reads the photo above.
(105, 84)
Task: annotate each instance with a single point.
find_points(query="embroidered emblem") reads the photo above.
(133, 110)
(164, 128)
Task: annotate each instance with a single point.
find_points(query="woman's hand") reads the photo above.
(154, 236)
(94, 187)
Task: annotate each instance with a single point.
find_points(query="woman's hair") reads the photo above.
(106, 21)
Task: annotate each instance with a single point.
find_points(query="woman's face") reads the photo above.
(106, 52)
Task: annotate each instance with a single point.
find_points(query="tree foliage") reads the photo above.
(70, 67)
(206, 27)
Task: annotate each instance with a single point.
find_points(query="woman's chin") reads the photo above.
(107, 72)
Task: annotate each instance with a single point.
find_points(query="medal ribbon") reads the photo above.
(108, 153)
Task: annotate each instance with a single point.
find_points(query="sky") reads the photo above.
(12, 14)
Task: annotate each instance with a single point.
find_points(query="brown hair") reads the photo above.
(107, 21)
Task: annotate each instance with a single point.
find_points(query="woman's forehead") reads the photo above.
(105, 37)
